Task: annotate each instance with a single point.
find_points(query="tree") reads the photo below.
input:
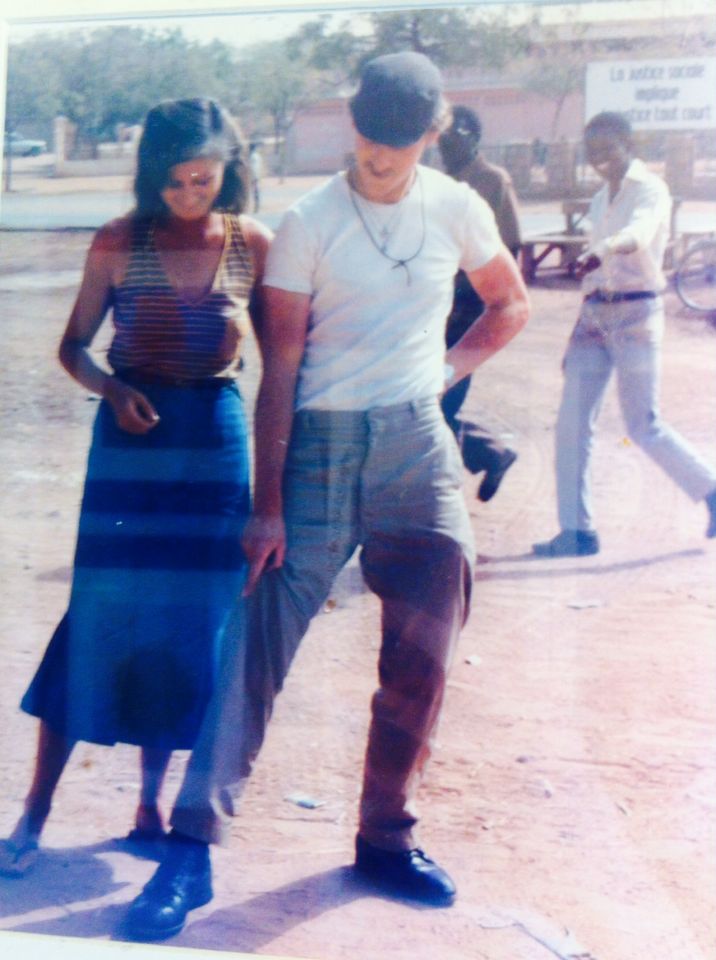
(556, 78)
(558, 63)
(112, 76)
(33, 94)
(273, 83)
(451, 37)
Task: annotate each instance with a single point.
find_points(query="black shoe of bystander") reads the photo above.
(568, 543)
(494, 475)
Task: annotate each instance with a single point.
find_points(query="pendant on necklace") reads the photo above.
(380, 235)
(404, 265)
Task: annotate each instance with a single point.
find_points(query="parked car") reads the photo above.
(19, 146)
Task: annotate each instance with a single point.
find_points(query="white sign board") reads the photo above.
(678, 94)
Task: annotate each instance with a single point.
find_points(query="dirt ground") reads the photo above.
(573, 791)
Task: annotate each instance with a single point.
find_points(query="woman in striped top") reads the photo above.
(158, 564)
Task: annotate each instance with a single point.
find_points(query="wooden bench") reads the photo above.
(574, 212)
(536, 249)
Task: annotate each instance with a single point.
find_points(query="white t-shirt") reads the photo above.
(376, 332)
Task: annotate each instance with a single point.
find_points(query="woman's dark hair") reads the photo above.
(176, 131)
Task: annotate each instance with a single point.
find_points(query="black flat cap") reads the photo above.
(398, 99)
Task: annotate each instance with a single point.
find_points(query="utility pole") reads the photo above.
(7, 158)
(3, 89)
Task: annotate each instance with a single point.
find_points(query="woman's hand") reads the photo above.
(132, 411)
(264, 543)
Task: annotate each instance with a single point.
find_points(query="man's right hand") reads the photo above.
(132, 410)
(585, 263)
(264, 543)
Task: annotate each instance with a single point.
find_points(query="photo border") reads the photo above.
(84, 11)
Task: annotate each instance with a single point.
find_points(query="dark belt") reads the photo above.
(604, 296)
(139, 377)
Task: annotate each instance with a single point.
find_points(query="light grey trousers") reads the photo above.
(624, 338)
(387, 480)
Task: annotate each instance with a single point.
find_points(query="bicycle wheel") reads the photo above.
(696, 277)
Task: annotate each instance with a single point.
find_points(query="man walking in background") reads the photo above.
(619, 329)
(459, 150)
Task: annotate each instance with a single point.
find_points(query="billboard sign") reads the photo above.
(675, 94)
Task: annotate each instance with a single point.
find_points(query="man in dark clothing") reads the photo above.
(481, 450)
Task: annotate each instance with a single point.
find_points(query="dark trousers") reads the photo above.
(480, 449)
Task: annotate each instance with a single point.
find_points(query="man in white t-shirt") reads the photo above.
(352, 451)
(619, 330)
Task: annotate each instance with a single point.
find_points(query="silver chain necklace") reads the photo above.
(385, 229)
(390, 226)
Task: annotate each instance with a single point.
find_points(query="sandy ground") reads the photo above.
(572, 793)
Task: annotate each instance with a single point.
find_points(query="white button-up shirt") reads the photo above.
(640, 212)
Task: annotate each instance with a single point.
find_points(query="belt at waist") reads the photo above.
(605, 296)
(139, 377)
(398, 417)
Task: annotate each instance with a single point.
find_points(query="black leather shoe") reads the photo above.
(711, 505)
(182, 882)
(568, 543)
(494, 476)
(407, 873)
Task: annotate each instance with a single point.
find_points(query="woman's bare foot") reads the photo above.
(20, 850)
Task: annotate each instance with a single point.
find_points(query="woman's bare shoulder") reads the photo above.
(258, 238)
(114, 236)
(255, 232)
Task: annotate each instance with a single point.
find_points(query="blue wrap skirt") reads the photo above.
(158, 570)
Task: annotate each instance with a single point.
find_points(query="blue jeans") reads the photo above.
(387, 481)
(624, 338)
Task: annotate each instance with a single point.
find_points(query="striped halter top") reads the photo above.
(158, 332)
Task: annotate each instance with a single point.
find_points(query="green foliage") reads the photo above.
(328, 48)
(33, 85)
(271, 81)
(111, 76)
(452, 37)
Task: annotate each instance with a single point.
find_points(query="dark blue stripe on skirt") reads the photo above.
(167, 553)
(117, 496)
